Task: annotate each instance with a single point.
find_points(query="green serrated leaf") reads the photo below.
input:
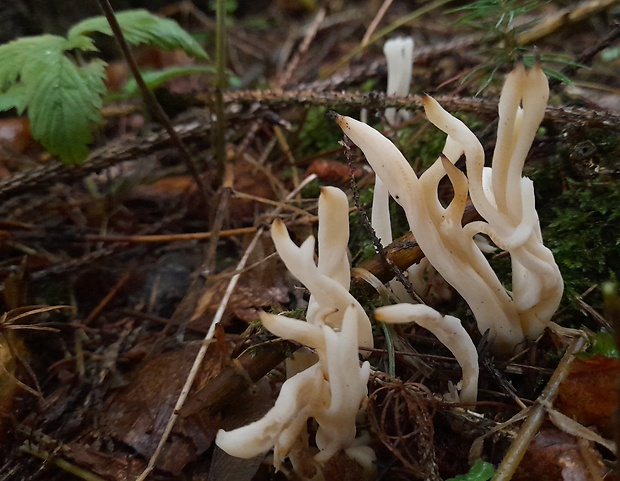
(62, 99)
(15, 55)
(140, 26)
(81, 42)
(15, 97)
(64, 105)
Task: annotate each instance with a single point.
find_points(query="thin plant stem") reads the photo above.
(63, 464)
(390, 349)
(153, 105)
(221, 83)
(313, 28)
(375, 21)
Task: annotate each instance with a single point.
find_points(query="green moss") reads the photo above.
(312, 190)
(584, 234)
(360, 240)
(480, 471)
(370, 85)
(299, 313)
(318, 134)
(421, 148)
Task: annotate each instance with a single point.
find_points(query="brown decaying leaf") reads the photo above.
(557, 456)
(8, 382)
(138, 414)
(332, 171)
(589, 395)
(248, 179)
(15, 143)
(249, 296)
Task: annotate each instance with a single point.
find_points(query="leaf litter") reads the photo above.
(111, 374)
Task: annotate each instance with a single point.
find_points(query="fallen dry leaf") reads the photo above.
(557, 456)
(138, 414)
(590, 393)
(331, 170)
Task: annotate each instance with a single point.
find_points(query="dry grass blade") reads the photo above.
(8, 319)
(375, 21)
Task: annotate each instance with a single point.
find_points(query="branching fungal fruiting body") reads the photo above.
(333, 389)
(501, 196)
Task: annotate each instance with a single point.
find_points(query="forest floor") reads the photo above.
(114, 271)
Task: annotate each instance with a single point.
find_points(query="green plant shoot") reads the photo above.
(62, 94)
(480, 471)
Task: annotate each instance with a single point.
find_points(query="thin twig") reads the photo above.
(381, 101)
(375, 21)
(151, 101)
(386, 31)
(536, 414)
(563, 18)
(375, 240)
(208, 337)
(225, 192)
(221, 84)
(194, 236)
(106, 300)
(587, 56)
(63, 464)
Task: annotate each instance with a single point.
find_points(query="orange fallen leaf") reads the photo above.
(330, 170)
(590, 393)
(557, 456)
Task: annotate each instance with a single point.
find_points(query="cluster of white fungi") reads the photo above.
(330, 384)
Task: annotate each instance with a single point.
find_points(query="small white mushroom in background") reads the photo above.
(399, 56)
(399, 59)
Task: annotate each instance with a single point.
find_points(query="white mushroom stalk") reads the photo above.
(449, 331)
(503, 198)
(331, 391)
(334, 388)
(399, 56)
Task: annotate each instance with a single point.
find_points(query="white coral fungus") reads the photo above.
(332, 390)
(500, 194)
(449, 331)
